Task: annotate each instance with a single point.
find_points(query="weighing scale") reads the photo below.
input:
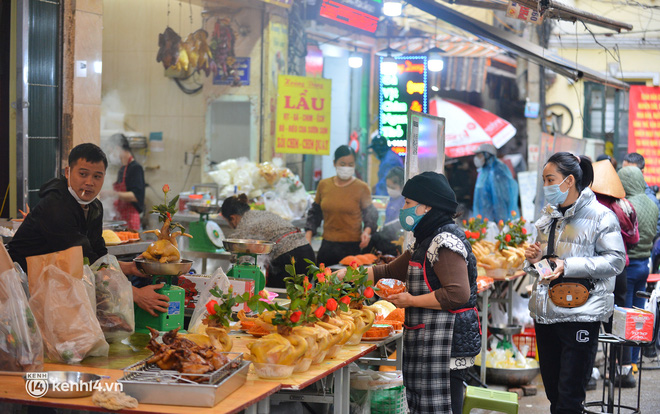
(207, 235)
(163, 273)
(246, 266)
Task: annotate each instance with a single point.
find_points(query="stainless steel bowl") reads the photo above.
(510, 376)
(70, 384)
(151, 268)
(204, 208)
(248, 246)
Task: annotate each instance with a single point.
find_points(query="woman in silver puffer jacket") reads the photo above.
(587, 249)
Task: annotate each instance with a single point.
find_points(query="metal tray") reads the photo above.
(151, 385)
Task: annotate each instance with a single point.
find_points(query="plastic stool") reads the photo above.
(502, 401)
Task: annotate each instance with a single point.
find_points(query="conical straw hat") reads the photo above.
(606, 180)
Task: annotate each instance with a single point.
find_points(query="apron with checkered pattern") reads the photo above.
(427, 347)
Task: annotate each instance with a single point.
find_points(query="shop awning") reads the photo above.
(517, 45)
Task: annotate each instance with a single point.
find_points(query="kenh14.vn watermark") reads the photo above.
(37, 385)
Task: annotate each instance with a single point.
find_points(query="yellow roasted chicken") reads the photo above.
(165, 249)
(277, 349)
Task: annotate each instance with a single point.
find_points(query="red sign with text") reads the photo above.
(644, 128)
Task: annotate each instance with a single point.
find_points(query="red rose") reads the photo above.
(483, 230)
(321, 267)
(306, 284)
(369, 292)
(331, 304)
(486, 220)
(524, 230)
(475, 235)
(166, 188)
(327, 271)
(320, 277)
(319, 312)
(295, 316)
(507, 238)
(346, 300)
(465, 222)
(468, 234)
(210, 307)
(354, 264)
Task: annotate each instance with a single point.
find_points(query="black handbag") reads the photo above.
(566, 293)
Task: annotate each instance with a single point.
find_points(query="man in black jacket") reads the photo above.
(69, 214)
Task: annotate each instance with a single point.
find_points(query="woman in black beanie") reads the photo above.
(442, 333)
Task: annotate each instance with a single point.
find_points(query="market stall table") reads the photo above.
(252, 394)
(397, 338)
(338, 365)
(494, 294)
(484, 292)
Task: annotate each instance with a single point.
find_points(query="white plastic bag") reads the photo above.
(218, 280)
(89, 280)
(114, 299)
(377, 392)
(64, 313)
(21, 346)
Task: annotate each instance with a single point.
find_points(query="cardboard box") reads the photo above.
(633, 324)
(194, 284)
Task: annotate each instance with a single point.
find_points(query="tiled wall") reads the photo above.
(88, 23)
(152, 102)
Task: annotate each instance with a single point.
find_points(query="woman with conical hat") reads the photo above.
(610, 193)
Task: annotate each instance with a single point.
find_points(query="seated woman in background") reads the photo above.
(343, 204)
(289, 241)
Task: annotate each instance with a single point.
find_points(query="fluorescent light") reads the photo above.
(435, 62)
(388, 66)
(392, 8)
(355, 60)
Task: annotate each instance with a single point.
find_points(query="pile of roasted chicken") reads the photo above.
(181, 354)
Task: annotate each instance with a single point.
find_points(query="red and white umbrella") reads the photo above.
(467, 127)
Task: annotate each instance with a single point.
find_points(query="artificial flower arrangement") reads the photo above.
(476, 228)
(324, 314)
(507, 254)
(512, 232)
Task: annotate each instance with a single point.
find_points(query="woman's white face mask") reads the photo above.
(345, 173)
(393, 192)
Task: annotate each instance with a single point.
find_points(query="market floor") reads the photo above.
(649, 401)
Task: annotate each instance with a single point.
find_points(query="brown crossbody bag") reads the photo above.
(562, 293)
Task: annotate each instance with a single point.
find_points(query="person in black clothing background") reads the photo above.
(69, 214)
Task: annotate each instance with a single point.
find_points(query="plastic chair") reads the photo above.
(502, 401)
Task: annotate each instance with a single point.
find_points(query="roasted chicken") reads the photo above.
(166, 248)
(183, 355)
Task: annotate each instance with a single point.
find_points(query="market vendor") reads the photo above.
(69, 214)
(129, 187)
(442, 334)
(343, 204)
(289, 241)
